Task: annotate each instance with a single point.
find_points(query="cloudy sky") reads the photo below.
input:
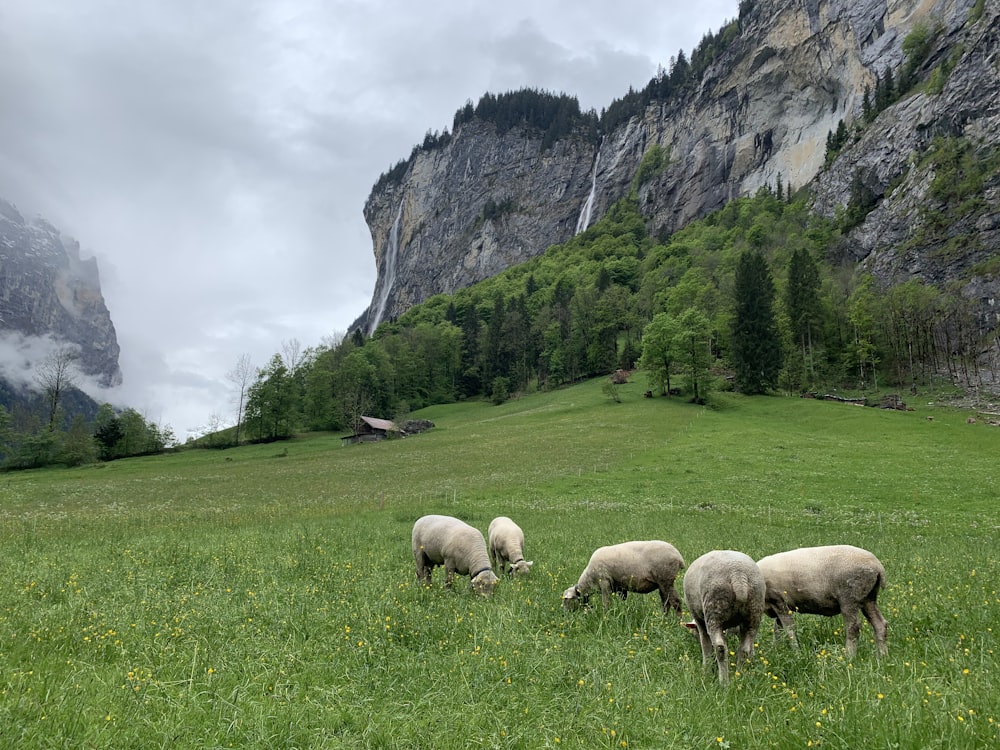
(215, 155)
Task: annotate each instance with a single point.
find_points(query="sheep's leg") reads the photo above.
(852, 624)
(449, 577)
(606, 593)
(783, 621)
(706, 643)
(717, 641)
(670, 599)
(424, 568)
(745, 651)
(505, 566)
(874, 615)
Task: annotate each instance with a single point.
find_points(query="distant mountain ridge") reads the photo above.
(49, 294)
(759, 111)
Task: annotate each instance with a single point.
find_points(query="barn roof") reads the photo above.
(380, 424)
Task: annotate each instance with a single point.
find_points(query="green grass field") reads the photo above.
(265, 596)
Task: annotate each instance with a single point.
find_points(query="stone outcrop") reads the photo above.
(761, 113)
(46, 289)
(895, 242)
(430, 232)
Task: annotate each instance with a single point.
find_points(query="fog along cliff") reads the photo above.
(47, 291)
(760, 113)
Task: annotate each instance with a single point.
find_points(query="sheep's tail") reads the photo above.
(741, 586)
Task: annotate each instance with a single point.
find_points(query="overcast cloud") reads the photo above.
(215, 156)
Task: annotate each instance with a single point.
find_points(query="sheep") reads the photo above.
(641, 567)
(832, 580)
(443, 540)
(506, 546)
(724, 589)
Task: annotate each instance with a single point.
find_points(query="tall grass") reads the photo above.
(266, 597)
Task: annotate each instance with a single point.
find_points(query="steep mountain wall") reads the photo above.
(442, 241)
(47, 290)
(761, 113)
(910, 234)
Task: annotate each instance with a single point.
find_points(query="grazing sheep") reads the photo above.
(724, 589)
(443, 540)
(506, 546)
(839, 579)
(641, 567)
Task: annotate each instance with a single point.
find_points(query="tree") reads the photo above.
(241, 376)
(470, 381)
(802, 302)
(6, 433)
(268, 401)
(658, 352)
(864, 311)
(135, 434)
(291, 353)
(693, 345)
(56, 374)
(107, 432)
(78, 446)
(492, 347)
(756, 347)
(861, 202)
(356, 386)
(517, 352)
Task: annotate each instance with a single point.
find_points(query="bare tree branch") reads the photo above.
(241, 376)
(57, 374)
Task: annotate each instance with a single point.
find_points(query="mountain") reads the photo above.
(50, 296)
(793, 93)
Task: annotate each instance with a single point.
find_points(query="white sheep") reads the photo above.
(506, 547)
(838, 579)
(724, 589)
(641, 567)
(460, 548)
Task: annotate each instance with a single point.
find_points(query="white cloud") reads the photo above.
(216, 156)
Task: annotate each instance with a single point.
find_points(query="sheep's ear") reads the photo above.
(529, 563)
(690, 625)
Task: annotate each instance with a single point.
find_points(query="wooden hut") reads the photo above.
(372, 429)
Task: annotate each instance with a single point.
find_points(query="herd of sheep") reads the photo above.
(723, 589)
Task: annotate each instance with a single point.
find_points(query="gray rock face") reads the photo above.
(763, 111)
(443, 242)
(46, 289)
(892, 242)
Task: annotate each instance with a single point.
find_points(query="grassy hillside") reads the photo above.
(265, 596)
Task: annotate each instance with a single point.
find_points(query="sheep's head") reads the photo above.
(521, 567)
(572, 599)
(484, 583)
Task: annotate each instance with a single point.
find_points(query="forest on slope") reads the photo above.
(744, 299)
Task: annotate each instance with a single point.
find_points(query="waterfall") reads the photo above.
(389, 275)
(584, 221)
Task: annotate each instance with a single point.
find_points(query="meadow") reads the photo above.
(265, 596)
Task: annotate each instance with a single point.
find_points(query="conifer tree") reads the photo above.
(756, 348)
(802, 302)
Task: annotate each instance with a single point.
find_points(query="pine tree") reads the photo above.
(470, 381)
(756, 348)
(802, 302)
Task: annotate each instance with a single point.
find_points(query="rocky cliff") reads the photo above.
(760, 114)
(47, 290)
